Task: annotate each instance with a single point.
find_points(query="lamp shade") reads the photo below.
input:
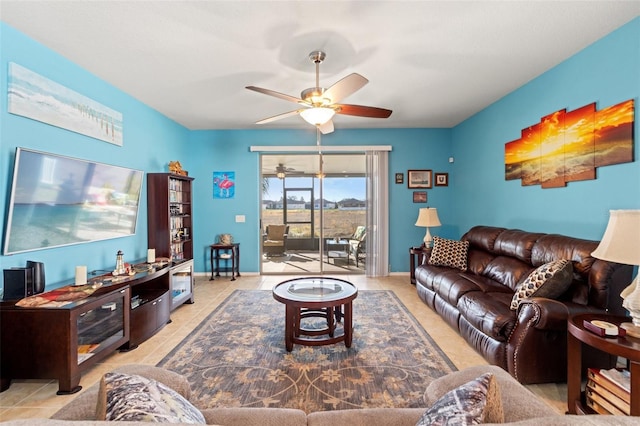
(428, 217)
(317, 115)
(621, 240)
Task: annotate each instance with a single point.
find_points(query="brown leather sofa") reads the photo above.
(530, 342)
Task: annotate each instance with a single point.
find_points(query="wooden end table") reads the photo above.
(421, 253)
(234, 249)
(625, 347)
(322, 297)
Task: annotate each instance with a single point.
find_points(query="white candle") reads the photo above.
(81, 275)
(151, 255)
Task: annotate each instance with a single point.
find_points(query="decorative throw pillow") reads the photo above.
(449, 253)
(125, 397)
(549, 280)
(359, 233)
(475, 402)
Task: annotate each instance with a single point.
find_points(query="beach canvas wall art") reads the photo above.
(34, 96)
(568, 146)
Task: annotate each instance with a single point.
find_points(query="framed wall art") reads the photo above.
(442, 179)
(419, 178)
(224, 184)
(399, 177)
(62, 107)
(419, 196)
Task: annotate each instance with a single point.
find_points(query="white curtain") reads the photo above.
(377, 246)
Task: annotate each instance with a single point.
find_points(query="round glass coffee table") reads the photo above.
(323, 297)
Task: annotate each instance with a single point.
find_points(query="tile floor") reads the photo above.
(37, 398)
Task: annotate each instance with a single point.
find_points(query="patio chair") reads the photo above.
(357, 244)
(274, 240)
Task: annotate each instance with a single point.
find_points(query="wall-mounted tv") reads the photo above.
(58, 201)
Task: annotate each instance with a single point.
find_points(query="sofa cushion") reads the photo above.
(474, 402)
(516, 243)
(550, 280)
(125, 397)
(508, 271)
(489, 313)
(482, 237)
(449, 253)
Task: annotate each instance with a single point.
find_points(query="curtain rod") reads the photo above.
(323, 148)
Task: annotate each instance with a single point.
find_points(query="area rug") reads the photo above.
(236, 358)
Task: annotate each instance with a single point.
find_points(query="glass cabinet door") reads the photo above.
(181, 283)
(101, 326)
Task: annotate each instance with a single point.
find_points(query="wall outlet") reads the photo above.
(239, 218)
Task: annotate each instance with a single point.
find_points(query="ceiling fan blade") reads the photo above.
(345, 87)
(362, 111)
(276, 94)
(279, 116)
(326, 127)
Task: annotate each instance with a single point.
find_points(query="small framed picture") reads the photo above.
(442, 179)
(419, 178)
(419, 196)
(399, 177)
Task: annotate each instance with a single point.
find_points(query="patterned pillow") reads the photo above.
(475, 402)
(550, 280)
(449, 253)
(126, 397)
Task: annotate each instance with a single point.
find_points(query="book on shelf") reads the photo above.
(620, 377)
(600, 405)
(610, 397)
(609, 390)
(596, 375)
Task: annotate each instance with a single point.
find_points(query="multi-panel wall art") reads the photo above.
(568, 146)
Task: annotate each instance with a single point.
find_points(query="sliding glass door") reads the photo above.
(320, 199)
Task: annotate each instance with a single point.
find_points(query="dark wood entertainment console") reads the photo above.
(61, 342)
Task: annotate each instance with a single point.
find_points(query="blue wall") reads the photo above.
(150, 141)
(229, 151)
(608, 72)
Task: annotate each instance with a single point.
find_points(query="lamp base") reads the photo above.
(632, 329)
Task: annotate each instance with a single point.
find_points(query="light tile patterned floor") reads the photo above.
(37, 398)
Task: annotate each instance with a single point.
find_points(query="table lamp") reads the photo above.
(428, 217)
(621, 244)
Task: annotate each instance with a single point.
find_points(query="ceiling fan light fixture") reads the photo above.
(317, 115)
(280, 175)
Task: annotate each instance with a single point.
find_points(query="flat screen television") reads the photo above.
(58, 201)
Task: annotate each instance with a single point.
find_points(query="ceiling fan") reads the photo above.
(320, 104)
(281, 171)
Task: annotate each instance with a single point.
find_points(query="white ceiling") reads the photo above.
(434, 63)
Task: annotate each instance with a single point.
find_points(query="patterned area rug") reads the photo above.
(236, 358)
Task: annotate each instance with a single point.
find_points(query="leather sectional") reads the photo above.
(531, 341)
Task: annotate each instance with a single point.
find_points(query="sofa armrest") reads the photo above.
(549, 314)
(537, 346)
(518, 402)
(83, 406)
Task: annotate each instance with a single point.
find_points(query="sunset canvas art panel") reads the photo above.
(552, 170)
(579, 144)
(568, 146)
(614, 134)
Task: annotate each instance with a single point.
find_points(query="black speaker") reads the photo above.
(16, 283)
(37, 275)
